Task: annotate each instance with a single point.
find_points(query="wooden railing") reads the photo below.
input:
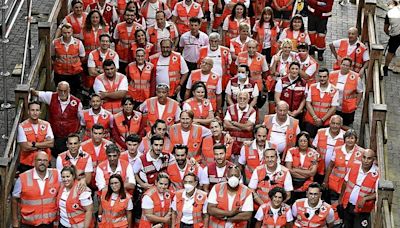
(373, 120)
(40, 77)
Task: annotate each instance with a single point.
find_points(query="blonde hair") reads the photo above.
(286, 41)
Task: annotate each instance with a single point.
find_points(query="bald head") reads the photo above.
(41, 161)
(368, 159)
(63, 90)
(282, 104)
(352, 35)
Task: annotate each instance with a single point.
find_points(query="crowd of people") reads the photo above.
(196, 114)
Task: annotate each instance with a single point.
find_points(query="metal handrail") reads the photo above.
(27, 41)
(13, 18)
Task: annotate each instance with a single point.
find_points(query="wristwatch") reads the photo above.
(225, 218)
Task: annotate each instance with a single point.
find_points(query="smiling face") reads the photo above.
(78, 9)
(180, 156)
(115, 185)
(219, 156)
(67, 179)
(128, 107)
(216, 129)
(297, 23)
(277, 199)
(271, 159)
(199, 93)
(186, 121)
(141, 37)
(313, 195)
(105, 43)
(41, 162)
(95, 19)
(140, 57)
(73, 144)
(350, 141)
(239, 11)
(34, 111)
(63, 91)
(303, 142)
(162, 185)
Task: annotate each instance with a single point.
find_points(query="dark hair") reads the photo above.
(302, 46)
(121, 193)
(108, 62)
(156, 138)
(297, 17)
(160, 11)
(315, 185)
(323, 69)
(199, 84)
(273, 191)
(97, 127)
(258, 126)
(127, 98)
(189, 112)
(74, 135)
(105, 35)
(140, 30)
(163, 175)
(88, 22)
(74, 2)
(307, 135)
(269, 10)
(247, 69)
(169, 40)
(34, 103)
(180, 147)
(219, 146)
(70, 169)
(136, 6)
(158, 121)
(347, 59)
(294, 63)
(133, 138)
(191, 174)
(129, 10)
(195, 20)
(220, 123)
(233, 14)
(350, 132)
(111, 148)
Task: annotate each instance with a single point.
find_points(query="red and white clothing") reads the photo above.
(331, 142)
(162, 69)
(288, 185)
(252, 117)
(45, 97)
(275, 214)
(98, 85)
(188, 204)
(103, 56)
(85, 199)
(234, 90)
(74, 161)
(102, 183)
(311, 211)
(157, 163)
(192, 44)
(359, 182)
(148, 11)
(162, 34)
(351, 48)
(340, 85)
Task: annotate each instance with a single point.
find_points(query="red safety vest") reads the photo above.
(76, 26)
(167, 148)
(159, 209)
(261, 37)
(310, 159)
(213, 174)
(122, 124)
(264, 186)
(107, 13)
(183, 15)
(233, 29)
(320, 105)
(316, 221)
(349, 102)
(153, 34)
(207, 153)
(195, 107)
(149, 49)
(200, 199)
(290, 132)
(247, 86)
(356, 55)
(125, 40)
(256, 66)
(80, 165)
(114, 216)
(168, 115)
(211, 85)
(174, 69)
(139, 81)
(91, 40)
(322, 146)
(175, 176)
(64, 123)
(67, 62)
(36, 208)
(301, 38)
(253, 160)
(27, 157)
(103, 120)
(150, 170)
(104, 167)
(224, 56)
(194, 141)
(295, 96)
(269, 220)
(113, 106)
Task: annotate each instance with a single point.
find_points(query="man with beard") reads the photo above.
(33, 134)
(188, 133)
(170, 68)
(96, 115)
(162, 30)
(218, 136)
(312, 211)
(151, 163)
(34, 195)
(111, 87)
(252, 153)
(76, 157)
(230, 203)
(183, 165)
(114, 165)
(215, 172)
(160, 107)
(268, 175)
(124, 36)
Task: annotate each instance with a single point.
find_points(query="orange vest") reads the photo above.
(264, 186)
(104, 167)
(37, 209)
(167, 148)
(153, 34)
(194, 141)
(114, 216)
(111, 54)
(247, 87)
(91, 40)
(75, 210)
(103, 120)
(269, 221)
(256, 66)
(67, 62)
(310, 159)
(175, 176)
(125, 40)
(183, 16)
(320, 105)
(113, 106)
(315, 221)
(349, 102)
(253, 159)
(27, 157)
(76, 26)
(301, 38)
(174, 69)
(195, 107)
(207, 153)
(322, 146)
(233, 29)
(139, 81)
(144, 10)
(304, 66)
(122, 124)
(200, 199)
(159, 209)
(222, 198)
(224, 55)
(168, 115)
(89, 148)
(340, 169)
(367, 188)
(261, 37)
(290, 132)
(356, 55)
(80, 165)
(240, 136)
(211, 85)
(148, 49)
(281, 4)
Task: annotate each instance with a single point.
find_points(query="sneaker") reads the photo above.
(342, 2)
(385, 71)
(320, 55)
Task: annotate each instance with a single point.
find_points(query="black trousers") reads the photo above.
(355, 220)
(60, 145)
(40, 226)
(74, 82)
(184, 225)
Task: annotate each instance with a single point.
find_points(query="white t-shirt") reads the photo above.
(351, 48)
(204, 78)
(191, 45)
(360, 179)
(340, 86)
(186, 106)
(160, 108)
(162, 67)
(217, 59)
(187, 210)
(242, 158)
(278, 133)
(295, 36)
(203, 174)
(85, 199)
(267, 34)
(91, 62)
(98, 86)
(21, 136)
(311, 211)
(147, 202)
(287, 184)
(101, 182)
(331, 142)
(322, 92)
(252, 117)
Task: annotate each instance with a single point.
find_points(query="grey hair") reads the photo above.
(214, 35)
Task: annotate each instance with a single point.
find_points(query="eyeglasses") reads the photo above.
(162, 86)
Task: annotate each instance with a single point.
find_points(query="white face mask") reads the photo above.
(242, 76)
(233, 181)
(188, 187)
